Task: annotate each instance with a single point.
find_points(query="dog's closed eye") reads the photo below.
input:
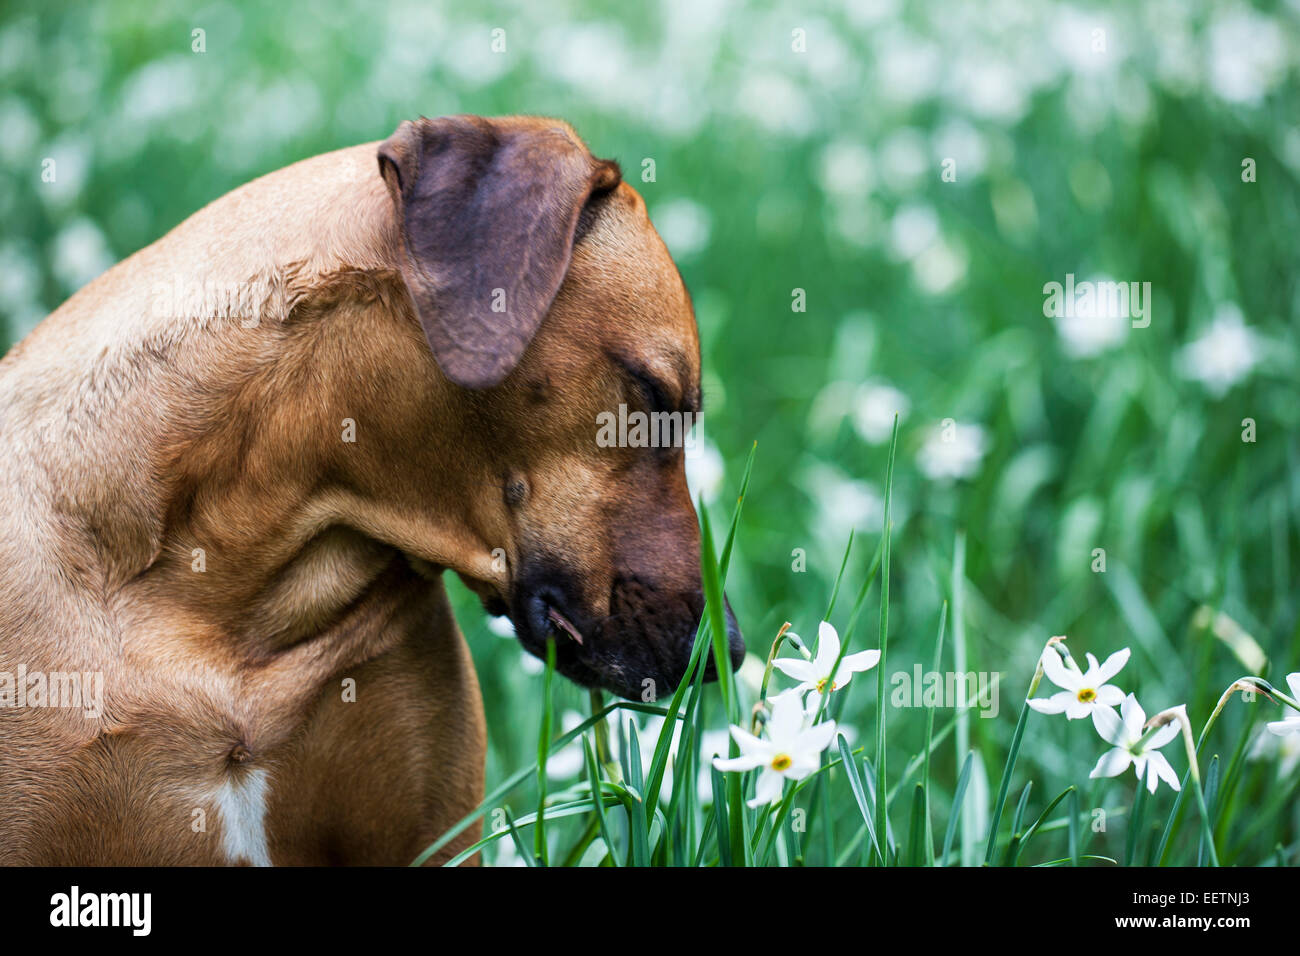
(657, 394)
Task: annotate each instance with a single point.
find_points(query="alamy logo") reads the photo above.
(639, 429)
(74, 908)
(1099, 300)
(953, 689)
(72, 689)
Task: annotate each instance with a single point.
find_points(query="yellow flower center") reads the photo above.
(821, 685)
(1087, 695)
(781, 762)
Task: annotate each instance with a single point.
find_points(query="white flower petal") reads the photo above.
(786, 721)
(1284, 727)
(1076, 709)
(737, 764)
(1114, 664)
(1162, 736)
(828, 647)
(1293, 681)
(1109, 726)
(802, 671)
(1110, 696)
(1134, 716)
(1057, 672)
(1112, 763)
(768, 789)
(1048, 705)
(1140, 767)
(1160, 767)
(1090, 675)
(856, 663)
(748, 743)
(816, 739)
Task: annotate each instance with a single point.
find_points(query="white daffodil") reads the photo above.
(816, 673)
(1083, 693)
(1124, 733)
(790, 751)
(1292, 724)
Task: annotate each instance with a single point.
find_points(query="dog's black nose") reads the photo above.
(735, 644)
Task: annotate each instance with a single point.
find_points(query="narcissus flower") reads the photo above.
(1082, 693)
(816, 673)
(1292, 724)
(791, 749)
(1123, 731)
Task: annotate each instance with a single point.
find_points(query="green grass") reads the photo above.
(624, 812)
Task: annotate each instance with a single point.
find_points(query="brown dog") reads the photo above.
(235, 467)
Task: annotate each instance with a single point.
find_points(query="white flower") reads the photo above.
(1081, 693)
(1104, 326)
(704, 469)
(953, 451)
(1247, 55)
(1292, 724)
(873, 411)
(1124, 735)
(1224, 355)
(843, 502)
(1285, 750)
(684, 225)
(816, 673)
(790, 750)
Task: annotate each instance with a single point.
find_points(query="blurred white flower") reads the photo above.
(1285, 749)
(907, 68)
(953, 451)
(791, 749)
(160, 89)
(530, 664)
(903, 159)
(990, 87)
(471, 55)
(1247, 54)
(704, 469)
(940, 266)
(843, 502)
(1081, 692)
(568, 762)
(72, 155)
(1124, 732)
(507, 854)
(22, 129)
(684, 226)
(1290, 725)
(713, 743)
(776, 103)
(501, 626)
(845, 168)
(20, 277)
(912, 230)
(1083, 336)
(1224, 355)
(1085, 41)
(80, 253)
(874, 408)
(816, 674)
(751, 672)
(956, 139)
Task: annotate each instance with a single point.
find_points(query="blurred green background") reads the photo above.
(803, 147)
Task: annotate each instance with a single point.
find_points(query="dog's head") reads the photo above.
(568, 340)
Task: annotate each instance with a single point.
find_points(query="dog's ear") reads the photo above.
(487, 211)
